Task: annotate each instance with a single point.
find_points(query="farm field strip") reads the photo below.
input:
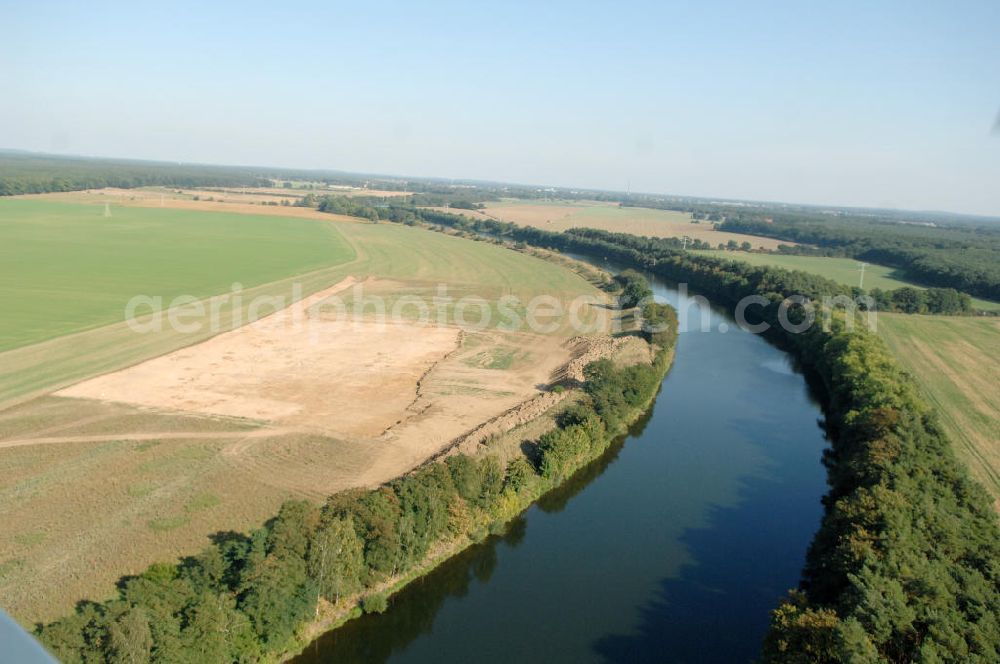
(842, 270)
(66, 268)
(563, 215)
(43, 367)
(152, 478)
(955, 361)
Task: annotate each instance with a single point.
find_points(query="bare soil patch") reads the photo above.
(344, 378)
(561, 216)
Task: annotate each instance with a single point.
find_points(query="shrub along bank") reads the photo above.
(246, 597)
(905, 566)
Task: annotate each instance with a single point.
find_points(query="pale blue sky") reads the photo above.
(856, 103)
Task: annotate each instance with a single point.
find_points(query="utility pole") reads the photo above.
(861, 282)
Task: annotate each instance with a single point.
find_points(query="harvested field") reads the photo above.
(252, 203)
(955, 361)
(273, 201)
(560, 216)
(78, 515)
(344, 378)
(157, 440)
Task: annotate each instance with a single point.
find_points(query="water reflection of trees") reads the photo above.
(375, 637)
(411, 612)
(557, 499)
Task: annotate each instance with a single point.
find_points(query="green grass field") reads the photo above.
(65, 268)
(842, 270)
(955, 361)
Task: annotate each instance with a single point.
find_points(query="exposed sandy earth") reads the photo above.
(415, 387)
(343, 378)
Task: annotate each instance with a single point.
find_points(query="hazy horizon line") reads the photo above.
(995, 217)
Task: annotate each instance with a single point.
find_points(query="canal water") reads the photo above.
(673, 547)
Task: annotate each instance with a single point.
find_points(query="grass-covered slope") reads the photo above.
(956, 362)
(65, 268)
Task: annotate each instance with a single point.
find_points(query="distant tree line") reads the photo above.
(906, 300)
(965, 258)
(244, 597)
(465, 204)
(934, 249)
(33, 174)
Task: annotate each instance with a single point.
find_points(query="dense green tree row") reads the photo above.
(908, 300)
(643, 251)
(905, 566)
(906, 563)
(348, 206)
(964, 258)
(35, 174)
(243, 598)
(936, 249)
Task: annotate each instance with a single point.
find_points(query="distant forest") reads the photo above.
(37, 174)
(963, 257)
(936, 249)
(34, 173)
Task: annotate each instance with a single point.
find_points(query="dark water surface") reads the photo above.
(673, 547)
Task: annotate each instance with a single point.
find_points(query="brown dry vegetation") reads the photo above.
(955, 361)
(223, 198)
(560, 216)
(156, 441)
(251, 203)
(79, 514)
